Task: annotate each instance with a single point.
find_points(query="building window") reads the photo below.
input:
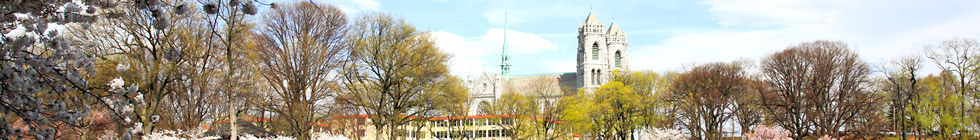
(439, 134)
(442, 123)
(592, 80)
(483, 108)
(598, 74)
(619, 59)
(594, 77)
(595, 51)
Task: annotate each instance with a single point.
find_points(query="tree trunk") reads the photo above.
(232, 121)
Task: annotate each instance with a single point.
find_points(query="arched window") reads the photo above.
(483, 108)
(598, 78)
(619, 60)
(592, 80)
(595, 51)
(484, 90)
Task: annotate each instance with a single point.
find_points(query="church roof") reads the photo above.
(614, 29)
(560, 82)
(484, 76)
(591, 19)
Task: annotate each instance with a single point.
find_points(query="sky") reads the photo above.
(666, 35)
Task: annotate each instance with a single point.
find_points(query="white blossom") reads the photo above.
(251, 137)
(137, 127)
(763, 132)
(155, 118)
(138, 98)
(122, 67)
(193, 134)
(330, 137)
(116, 84)
(827, 137)
(662, 134)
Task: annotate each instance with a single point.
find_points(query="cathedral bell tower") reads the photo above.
(591, 45)
(600, 51)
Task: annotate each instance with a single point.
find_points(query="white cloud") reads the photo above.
(367, 4)
(878, 30)
(355, 6)
(468, 54)
(701, 47)
(775, 12)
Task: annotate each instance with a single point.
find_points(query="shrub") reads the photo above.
(763, 132)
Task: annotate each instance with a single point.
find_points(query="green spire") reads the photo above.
(505, 57)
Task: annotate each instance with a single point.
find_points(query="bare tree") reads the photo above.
(745, 105)
(902, 83)
(817, 86)
(959, 56)
(300, 46)
(705, 94)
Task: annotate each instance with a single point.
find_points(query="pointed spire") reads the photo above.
(505, 56)
(591, 19)
(614, 29)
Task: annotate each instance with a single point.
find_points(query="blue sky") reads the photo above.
(665, 35)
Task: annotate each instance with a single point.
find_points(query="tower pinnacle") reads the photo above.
(504, 56)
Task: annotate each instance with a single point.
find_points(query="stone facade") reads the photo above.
(601, 50)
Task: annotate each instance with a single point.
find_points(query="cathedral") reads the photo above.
(601, 50)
